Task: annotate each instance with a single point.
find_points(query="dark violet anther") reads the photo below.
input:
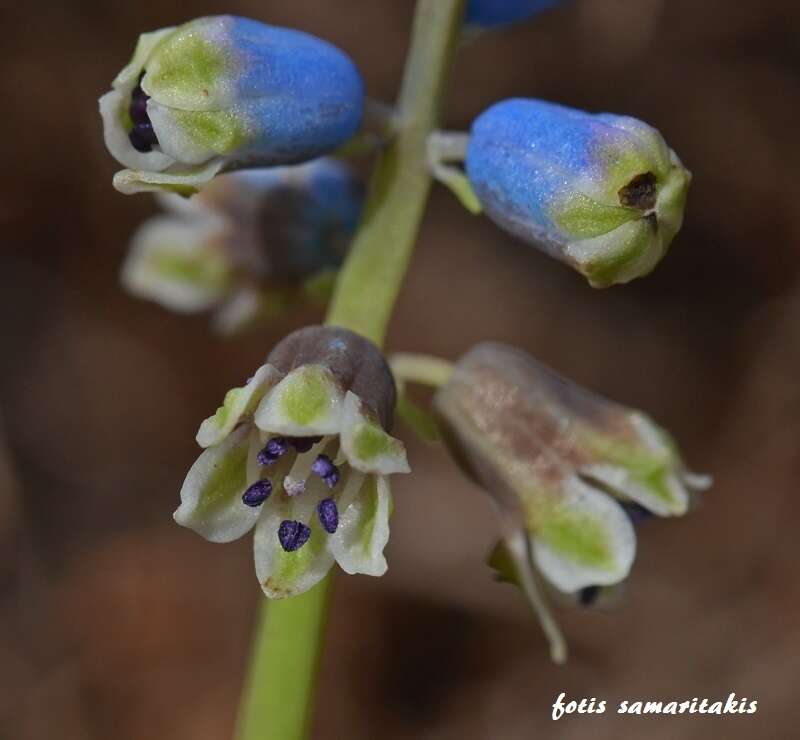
(587, 596)
(328, 515)
(142, 136)
(636, 513)
(303, 444)
(138, 106)
(293, 535)
(258, 493)
(274, 449)
(325, 469)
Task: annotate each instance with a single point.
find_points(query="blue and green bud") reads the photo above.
(491, 13)
(600, 192)
(251, 245)
(221, 93)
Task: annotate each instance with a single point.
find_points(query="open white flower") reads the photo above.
(302, 453)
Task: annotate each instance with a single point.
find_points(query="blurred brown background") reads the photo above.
(115, 623)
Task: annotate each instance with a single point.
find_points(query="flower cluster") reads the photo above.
(302, 454)
(248, 243)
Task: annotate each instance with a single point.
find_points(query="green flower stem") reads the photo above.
(284, 661)
(376, 265)
(279, 694)
(408, 367)
(444, 149)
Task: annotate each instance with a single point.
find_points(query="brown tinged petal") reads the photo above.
(356, 363)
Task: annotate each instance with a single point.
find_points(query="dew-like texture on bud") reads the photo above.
(490, 13)
(247, 246)
(560, 461)
(301, 453)
(221, 93)
(600, 192)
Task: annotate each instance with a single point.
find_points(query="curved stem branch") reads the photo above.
(410, 367)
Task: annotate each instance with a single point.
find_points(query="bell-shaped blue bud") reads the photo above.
(221, 93)
(250, 246)
(600, 192)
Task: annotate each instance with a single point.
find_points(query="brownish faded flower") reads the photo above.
(570, 470)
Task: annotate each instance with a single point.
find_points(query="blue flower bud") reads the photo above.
(222, 92)
(600, 192)
(489, 13)
(249, 245)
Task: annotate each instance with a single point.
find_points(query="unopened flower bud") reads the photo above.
(248, 245)
(600, 192)
(221, 93)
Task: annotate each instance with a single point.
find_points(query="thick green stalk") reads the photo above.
(280, 688)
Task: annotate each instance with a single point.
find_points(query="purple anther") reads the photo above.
(328, 515)
(274, 449)
(258, 493)
(138, 107)
(636, 513)
(587, 596)
(293, 535)
(142, 137)
(323, 467)
(303, 444)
